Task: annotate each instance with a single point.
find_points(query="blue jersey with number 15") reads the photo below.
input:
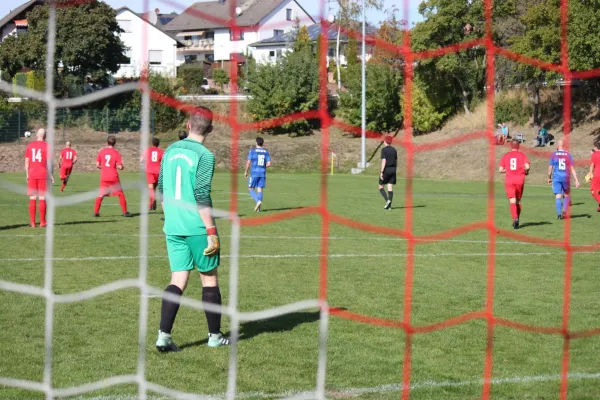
(561, 162)
(259, 158)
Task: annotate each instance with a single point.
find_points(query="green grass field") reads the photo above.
(98, 338)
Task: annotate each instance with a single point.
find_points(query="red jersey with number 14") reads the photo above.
(109, 158)
(67, 155)
(37, 153)
(153, 157)
(514, 164)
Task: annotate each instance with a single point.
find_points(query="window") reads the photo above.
(155, 57)
(195, 40)
(331, 53)
(125, 25)
(278, 53)
(190, 58)
(272, 53)
(210, 36)
(128, 57)
(21, 30)
(277, 32)
(288, 14)
(236, 35)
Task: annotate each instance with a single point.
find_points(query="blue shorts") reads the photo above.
(561, 187)
(254, 183)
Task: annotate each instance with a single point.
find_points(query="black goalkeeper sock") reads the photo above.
(169, 310)
(212, 295)
(384, 194)
(391, 195)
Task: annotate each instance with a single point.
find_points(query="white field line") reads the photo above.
(363, 238)
(280, 256)
(359, 391)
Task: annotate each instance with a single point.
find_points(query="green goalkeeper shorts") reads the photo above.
(186, 251)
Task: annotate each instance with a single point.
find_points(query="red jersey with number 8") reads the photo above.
(153, 157)
(37, 153)
(514, 164)
(109, 158)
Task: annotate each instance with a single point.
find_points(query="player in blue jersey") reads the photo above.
(559, 170)
(258, 162)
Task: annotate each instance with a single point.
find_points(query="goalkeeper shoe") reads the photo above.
(217, 340)
(165, 343)
(388, 205)
(257, 208)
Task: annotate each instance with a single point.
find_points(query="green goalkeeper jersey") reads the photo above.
(186, 173)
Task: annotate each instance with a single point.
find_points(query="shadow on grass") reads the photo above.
(9, 227)
(581, 216)
(268, 210)
(282, 323)
(86, 222)
(578, 204)
(404, 207)
(528, 224)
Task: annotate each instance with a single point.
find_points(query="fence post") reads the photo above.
(19, 124)
(64, 123)
(107, 121)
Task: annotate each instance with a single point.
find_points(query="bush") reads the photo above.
(512, 107)
(191, 78)
(221, 77)
(426, 117)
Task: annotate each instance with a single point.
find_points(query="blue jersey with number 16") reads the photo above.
(259, 158)
(561, 162)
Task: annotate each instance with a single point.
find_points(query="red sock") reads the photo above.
(43, 212)
(513, 211)
(98, 204)
(32, 211)
(519, 208)
(597, 197)
(63, 186)
(151, 198)
(123, 202)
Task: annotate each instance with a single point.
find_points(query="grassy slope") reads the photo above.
(96, 339)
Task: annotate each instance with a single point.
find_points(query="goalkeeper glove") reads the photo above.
(213, 242)
(588, 177)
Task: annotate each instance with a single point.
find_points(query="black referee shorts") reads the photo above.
(389, 177)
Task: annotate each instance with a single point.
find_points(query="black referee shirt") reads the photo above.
(390, 155)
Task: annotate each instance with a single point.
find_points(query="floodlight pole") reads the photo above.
(363, 140)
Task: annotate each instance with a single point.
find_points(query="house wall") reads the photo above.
(7, 30)
(262, 54)
(157, 40)
(276, 19)
(224, 47)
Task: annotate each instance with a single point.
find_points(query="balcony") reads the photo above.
(199, 45)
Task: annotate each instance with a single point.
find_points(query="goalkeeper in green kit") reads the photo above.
(184, 182)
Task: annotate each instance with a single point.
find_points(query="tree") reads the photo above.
(221, 77)
(302, 40)
(87, 44)
(390, 31)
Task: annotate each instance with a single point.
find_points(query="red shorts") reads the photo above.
(110, 188)
(152, 179)
(595, 185)
(65, 172)
(514, 190)
(37, 187)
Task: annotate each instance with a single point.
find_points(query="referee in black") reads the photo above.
(387, 176)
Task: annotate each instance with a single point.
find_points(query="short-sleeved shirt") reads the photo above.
(514, 164)
(185, 181)
(596, 161)
(390, 155)
(153, 158)
(37, 153)
(561, 162)
(258, 158)
(67, 155)
(109, 158)
(504, 130)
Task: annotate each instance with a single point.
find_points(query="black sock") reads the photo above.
(391, 195)
(169, 310)
(384, 194)
(212, 295)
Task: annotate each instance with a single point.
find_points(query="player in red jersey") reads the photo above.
(516, 166)
(36, 171)
(595, 173)
(153, 157)
(109, 162)
(68, 158)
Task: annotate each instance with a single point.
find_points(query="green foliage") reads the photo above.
(166, 117)
(191, 78)
(87, 44)
(289, 86)
(384, 111)
(20, 79)
(302, 39)
(426, 117)
(352, 53)
(221, 77)
(512, 107)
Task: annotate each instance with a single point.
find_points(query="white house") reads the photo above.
(16, 20)
(211, 41)
(160, 48)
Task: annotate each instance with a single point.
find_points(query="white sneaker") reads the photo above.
(388, 205)
(257, 208)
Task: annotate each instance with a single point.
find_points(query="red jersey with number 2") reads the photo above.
(109, 158)
(514, 164)
(37, 153)
(68, 155)
(154, 156)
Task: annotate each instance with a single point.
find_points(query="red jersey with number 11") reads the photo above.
(68, 155)
(37, 153)
(153, 157)
(109, 158)
(514, 164)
